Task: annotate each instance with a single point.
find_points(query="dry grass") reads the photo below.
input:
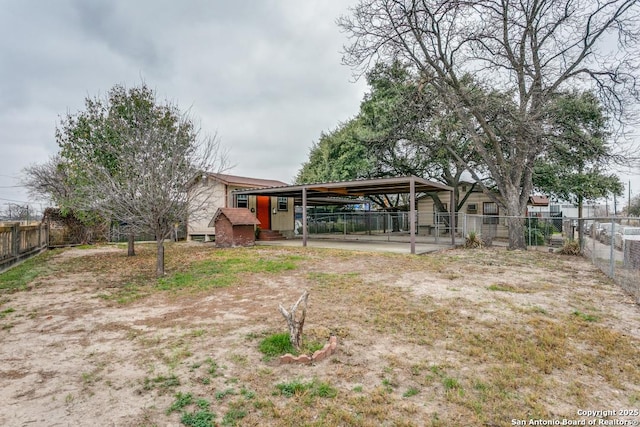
(456, 338)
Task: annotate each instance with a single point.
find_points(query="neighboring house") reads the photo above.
(477, 203)
(568, 210)
(214, 191)
(538, 206)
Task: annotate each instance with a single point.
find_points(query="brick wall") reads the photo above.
(228, 235)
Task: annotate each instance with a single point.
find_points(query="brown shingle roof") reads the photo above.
(243, 181)
(236, 216)
(539, 200)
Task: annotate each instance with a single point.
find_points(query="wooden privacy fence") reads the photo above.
(19, 242)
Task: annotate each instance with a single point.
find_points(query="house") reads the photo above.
(475, 203)
(234, 227)
(538, 206)
(213, 191)
(483, 215)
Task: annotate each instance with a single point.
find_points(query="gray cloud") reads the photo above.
(265, 75)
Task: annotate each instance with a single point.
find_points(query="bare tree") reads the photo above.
(520, 53)
(48, 180)
(156, 166)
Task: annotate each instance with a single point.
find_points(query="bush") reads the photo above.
(473, 241)
(570, 247)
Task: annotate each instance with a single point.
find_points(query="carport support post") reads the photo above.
(412, 213)
(304, 216)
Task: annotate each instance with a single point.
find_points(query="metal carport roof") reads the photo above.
(305, 193)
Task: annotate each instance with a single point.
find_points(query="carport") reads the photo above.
(309, 194)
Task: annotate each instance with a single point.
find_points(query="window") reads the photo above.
(242, 201)
(489, 210)
(472, 208)
(283, 204)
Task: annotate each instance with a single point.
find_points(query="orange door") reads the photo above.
(264, 211)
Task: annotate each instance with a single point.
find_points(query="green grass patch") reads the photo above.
(225, 271)
(314, 388)
(19, 277)
(222, 394)
(161, 382)
(502, 287)
(182, 400)
(233, 416)
(198, 418)
(585, 317)
(4, 313)
(412, 391)
(279, 344)
(276, 345)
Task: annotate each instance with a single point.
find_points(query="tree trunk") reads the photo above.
(159, 258)
(395, 222)
(516, 224)
(131, 251)
(295, 325)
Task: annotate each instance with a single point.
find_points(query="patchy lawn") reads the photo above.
(457, 338)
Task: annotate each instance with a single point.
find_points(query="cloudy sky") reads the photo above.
(266, 75)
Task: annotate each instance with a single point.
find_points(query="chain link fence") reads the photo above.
(613, 245)
(358, 222)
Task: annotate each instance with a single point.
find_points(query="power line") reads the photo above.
(16, 201)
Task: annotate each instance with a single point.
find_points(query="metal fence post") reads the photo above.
(612, 257)
(464, 226)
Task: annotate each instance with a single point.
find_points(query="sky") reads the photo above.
(264, 76)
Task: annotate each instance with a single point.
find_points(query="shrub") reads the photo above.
(473, 241)
(570, 247)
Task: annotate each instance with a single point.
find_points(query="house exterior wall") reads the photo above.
(212, 194)
(208, 195)
(541, 210)
(472, 220)
(426, 207)
(282, 220)
(228, 235)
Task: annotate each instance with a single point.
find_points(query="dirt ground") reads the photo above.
(71, 356)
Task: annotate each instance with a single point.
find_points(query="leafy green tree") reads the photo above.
(339, 155)
(410, 128)
(573, 167)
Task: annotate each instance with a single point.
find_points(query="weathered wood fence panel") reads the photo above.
(19, 242)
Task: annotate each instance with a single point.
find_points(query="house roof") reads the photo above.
(243, 181)
(357, 188)
(236, 216)
(539, 200)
